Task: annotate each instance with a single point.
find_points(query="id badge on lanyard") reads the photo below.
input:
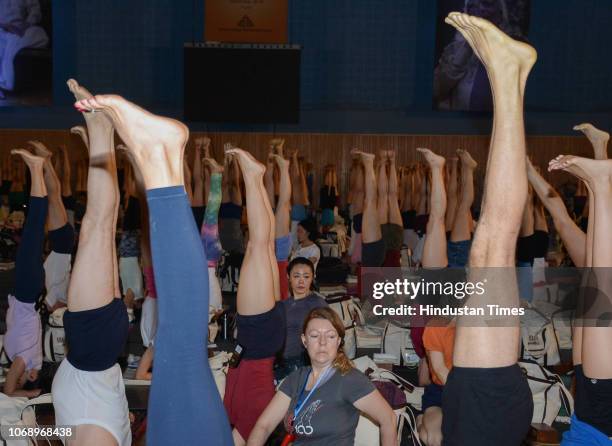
(301, 402)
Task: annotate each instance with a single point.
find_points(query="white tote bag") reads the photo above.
(548, 392)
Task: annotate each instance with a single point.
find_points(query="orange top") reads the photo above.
(439, 339)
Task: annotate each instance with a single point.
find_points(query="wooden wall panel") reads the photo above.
(323, 149)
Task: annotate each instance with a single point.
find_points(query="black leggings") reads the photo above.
(29, 272)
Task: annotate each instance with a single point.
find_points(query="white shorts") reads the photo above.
(131, 276)
(148, 321)
(57, 277)
(97, 398)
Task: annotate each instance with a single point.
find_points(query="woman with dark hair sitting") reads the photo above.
(307, 234)
(302, 299)
(320, 404)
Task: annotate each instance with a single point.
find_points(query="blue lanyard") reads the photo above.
(301, 400)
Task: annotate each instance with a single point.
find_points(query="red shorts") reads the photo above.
(283, 278)
(248, 390)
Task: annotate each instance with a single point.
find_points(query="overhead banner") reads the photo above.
(246, 21)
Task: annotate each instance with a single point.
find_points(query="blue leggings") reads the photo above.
(29, 272)
(184, 401)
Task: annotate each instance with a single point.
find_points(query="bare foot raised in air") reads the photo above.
(500, 54)
(82, 132)
(248, 164)
(591, 171)
(213, 165)
(203, 143)
(31, 160)
(597, 137)
(156, 142)
(280, 161)
(81, 93)
(466, 159)
(365, 157)
(78, 90)
(40, 149)
(434, 161)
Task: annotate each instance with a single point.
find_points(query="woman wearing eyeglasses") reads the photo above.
(320, 404)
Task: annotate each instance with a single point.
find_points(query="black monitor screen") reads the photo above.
(242, 84)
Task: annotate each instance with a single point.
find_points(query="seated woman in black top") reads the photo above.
(302, 299)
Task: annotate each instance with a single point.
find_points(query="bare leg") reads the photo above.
(451, 192)
(370, 226)
(35, 164)
(383, 189)
(572, 236)
(508, 63)
(295, 178)
(430, 430)
(421, 187)
(451, 207)
(303, 186)
(599, 139)
(66, 173)
(257, 271)
(198, 177)
(462, 226)
(539, 216)
(283, 207)
(235, 190)
(596, 341)
(357, 187)
(434, 251)
(94, 281)
(188, 182)
(56, 216)
(187, 393)
(82, 133)
(269, 179)
(395, 215)
(528, 222)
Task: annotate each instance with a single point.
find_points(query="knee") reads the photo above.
(422, 430)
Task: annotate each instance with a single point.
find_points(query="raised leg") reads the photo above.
(462, 226)
(184, 402)
(596, 340)
(283, 207)
(371, 224)
(383, 189)
(572, 236)
(94, 281)
(257, 271)
(395, 215)
(434, 251)
(598, 138)
(198, 176)
(451, 193)
(57, 216)
(508, 63)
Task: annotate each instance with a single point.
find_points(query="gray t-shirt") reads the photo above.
(328, 417)
(296, 312)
